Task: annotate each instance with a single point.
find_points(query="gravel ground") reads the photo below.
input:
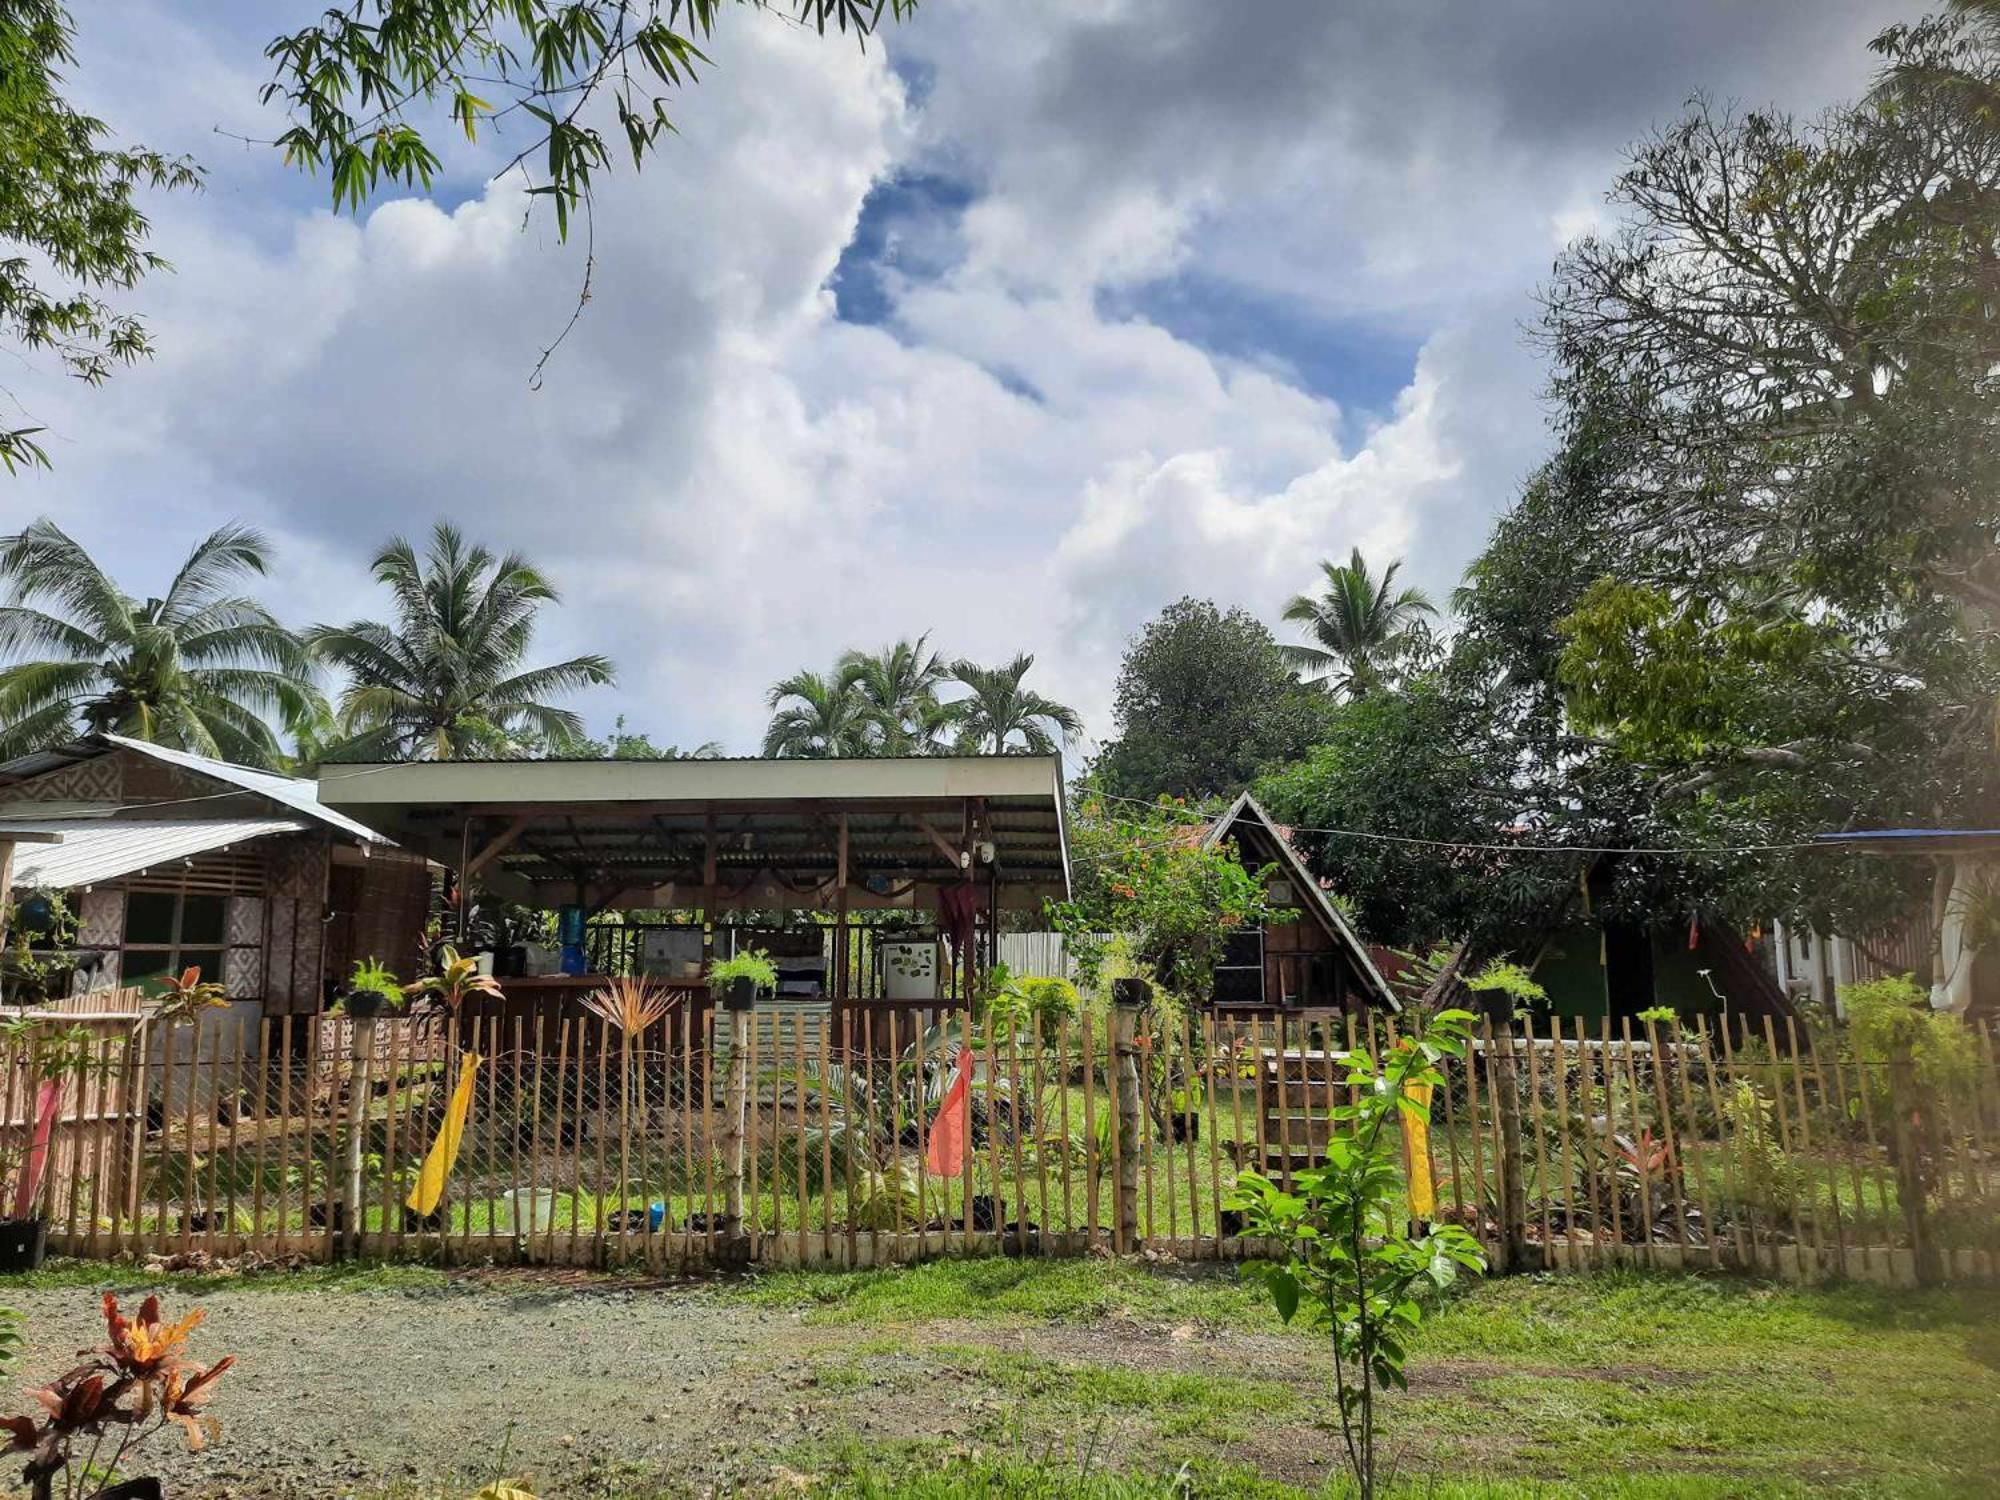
(338, 1392)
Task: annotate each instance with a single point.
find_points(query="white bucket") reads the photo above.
(531, 1211)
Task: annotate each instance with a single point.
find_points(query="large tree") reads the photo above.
(69, 214)
(202, 667)
(1204, 703)
(1793, 336)
(446, 680)
(1001, 715)
(1359, 627)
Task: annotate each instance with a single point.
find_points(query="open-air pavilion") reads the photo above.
(657, 867)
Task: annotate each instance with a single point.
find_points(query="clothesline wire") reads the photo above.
(1196, 819)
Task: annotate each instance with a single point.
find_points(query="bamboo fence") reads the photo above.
(1563, 1145)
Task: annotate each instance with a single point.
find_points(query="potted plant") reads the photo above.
(737, 982)
(371, 989)
(180, 999)
(127, 1390)
(455, 979)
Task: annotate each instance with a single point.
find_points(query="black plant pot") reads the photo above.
(363, 1005)
(24, 1244)
(739, 995)
(134, 1489)
(1186, 1125)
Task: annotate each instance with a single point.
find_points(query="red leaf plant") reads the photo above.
(128, 1389)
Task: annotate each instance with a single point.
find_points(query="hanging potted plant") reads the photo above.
(735, 983)
(53, 1058)
(371, 989)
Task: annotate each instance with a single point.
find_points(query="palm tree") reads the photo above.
(897, 689)
(446, 680)
(197, 669)
(817, 716)
(997, 711)
(1361, 625)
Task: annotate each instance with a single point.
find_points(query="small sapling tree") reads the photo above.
(1349, 1259)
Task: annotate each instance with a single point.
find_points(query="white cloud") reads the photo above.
(728, 481)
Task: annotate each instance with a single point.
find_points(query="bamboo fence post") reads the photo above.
(1476, 1134)
(1641, 1139)
(513, 1136)
(1092, 1163)
(284, 1224)
(1805, 1135)
(232, 1242)
(1541, 1146)
(1561, 1059)
(401, 1036)
(1729, 1195)
(1689, 1137)
(708, 1214)
(1127, 995)
(332, 1185)
(996, 1177)
(1908, 1121)
(684, 1130)
(1785, 1139)
(1014, 1115)
(534, 1145)
(1676, 1169)
(920, 1096)
(1609, 1061)
(752, 1114)
(825, 1029)
(1451, 1143)
(1213, 1107)
(132, 1101)
(848, 1125)
(799, 1103)
(1280, 1060)
(556, 1174)
(1514, 1193)
(894, 1075)
(1041, 1138)
(736, 1124)
(1744, 1204)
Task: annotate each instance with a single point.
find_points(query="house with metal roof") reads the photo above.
(127, 860)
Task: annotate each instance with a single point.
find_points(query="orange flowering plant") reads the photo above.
(128, 1389)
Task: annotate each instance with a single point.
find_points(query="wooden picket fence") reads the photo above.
(1562, 1146)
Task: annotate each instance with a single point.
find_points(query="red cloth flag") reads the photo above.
(953, 1125)
(47, 1103)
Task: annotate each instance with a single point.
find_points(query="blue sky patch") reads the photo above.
(1361, 365)
(908, 231)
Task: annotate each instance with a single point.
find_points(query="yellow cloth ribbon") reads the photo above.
(443, 1156)
(1417, 1148)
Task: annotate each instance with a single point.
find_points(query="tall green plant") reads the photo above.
(447, 680)
(1349, 1258)
(200, 668)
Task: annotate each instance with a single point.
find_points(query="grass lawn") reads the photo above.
(1107, 1379)
(1621, 1385)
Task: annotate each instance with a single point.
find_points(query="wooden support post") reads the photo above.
(736, 1250)
(1911, 1129)
(1127, 996)
(362, 1056)
(1513, 1187)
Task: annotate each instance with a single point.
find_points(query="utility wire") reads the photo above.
(1197, 819)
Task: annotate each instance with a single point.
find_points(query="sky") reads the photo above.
(1014, 327)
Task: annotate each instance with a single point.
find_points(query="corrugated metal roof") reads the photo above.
(95, 849)
(295, 792)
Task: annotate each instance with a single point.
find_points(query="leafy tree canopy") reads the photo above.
(68, 213)
(362, 84)
(1204, 702)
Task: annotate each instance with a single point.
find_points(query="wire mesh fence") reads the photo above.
(861, 1137)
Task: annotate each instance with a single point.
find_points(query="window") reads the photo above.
(167, 933)
(1239, 977)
